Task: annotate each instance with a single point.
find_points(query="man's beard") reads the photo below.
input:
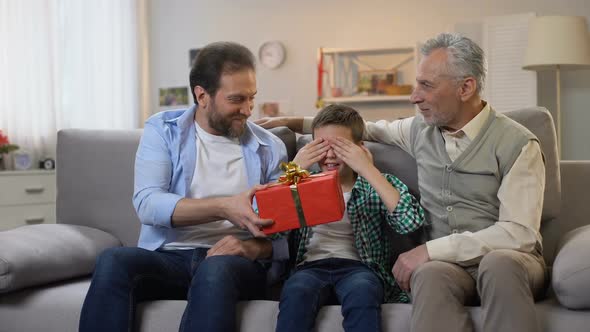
(440, 119)
(223, 125)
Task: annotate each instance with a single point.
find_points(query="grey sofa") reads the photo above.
(45, 269)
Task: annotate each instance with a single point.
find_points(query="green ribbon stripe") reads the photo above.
(298, 208)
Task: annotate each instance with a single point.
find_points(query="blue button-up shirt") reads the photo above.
(165, 164)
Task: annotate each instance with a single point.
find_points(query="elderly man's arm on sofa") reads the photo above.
(521, 205)
(395, 132)
(295, 123)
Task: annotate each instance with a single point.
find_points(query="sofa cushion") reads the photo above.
(38, 254)
(49, 308)
(571, 270)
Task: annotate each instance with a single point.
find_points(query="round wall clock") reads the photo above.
(272, 54)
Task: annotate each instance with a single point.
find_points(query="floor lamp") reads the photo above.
(556, 43)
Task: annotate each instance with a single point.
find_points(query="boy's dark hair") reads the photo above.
(341, 115)
(216, 59)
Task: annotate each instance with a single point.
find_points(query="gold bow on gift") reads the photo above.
(293, 173)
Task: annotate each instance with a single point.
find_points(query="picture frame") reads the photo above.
(375, 82)
(272, 108)
(174, 96)
(22, 160)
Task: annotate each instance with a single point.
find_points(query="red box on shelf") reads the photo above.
(320, 197)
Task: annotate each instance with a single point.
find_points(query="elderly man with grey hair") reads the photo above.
(481, 178)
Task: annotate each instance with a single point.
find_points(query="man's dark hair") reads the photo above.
(341, 115)
(215, 60)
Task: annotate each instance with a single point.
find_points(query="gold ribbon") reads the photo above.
(293, 173)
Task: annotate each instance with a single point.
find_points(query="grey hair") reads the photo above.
(466, 58)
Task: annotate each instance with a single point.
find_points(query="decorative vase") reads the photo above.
(5, 162)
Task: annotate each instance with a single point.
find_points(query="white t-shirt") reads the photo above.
(219, 171)
(332, 240)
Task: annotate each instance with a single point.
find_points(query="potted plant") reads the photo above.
(5, 148)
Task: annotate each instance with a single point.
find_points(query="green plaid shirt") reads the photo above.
(367, 215)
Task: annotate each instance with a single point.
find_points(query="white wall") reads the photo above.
(304, 25)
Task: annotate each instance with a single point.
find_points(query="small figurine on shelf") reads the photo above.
(5, 149)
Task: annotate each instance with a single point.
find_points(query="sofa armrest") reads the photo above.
(38, 254)
(571, 269)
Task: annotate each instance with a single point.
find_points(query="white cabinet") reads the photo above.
(26, 198)
(366, 75)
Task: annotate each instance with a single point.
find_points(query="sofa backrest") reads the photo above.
(95, 179)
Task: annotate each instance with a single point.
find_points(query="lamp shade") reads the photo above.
(557, 40)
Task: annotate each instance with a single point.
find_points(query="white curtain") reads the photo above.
(67, 64)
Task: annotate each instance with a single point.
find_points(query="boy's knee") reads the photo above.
(297, 284)
(366, 285)
(365, 289)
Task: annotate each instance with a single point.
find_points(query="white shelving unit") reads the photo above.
(367, 99)
(26, 197)
(366, 75)
(368, 51)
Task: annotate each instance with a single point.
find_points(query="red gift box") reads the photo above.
(320, 198)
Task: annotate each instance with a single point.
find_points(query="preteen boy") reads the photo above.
(350, 259)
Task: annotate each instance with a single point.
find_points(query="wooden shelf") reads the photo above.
(364, 51)
(352, 71)
(367, 99)
(34, 171)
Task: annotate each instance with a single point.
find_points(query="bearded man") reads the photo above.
(196, 171)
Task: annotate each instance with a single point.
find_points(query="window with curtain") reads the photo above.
(508, 86)
(67, 64)
(504, 40)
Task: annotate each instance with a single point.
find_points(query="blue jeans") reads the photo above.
(358, 289)
(126, 276)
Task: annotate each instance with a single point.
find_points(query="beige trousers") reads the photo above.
(505, 281)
